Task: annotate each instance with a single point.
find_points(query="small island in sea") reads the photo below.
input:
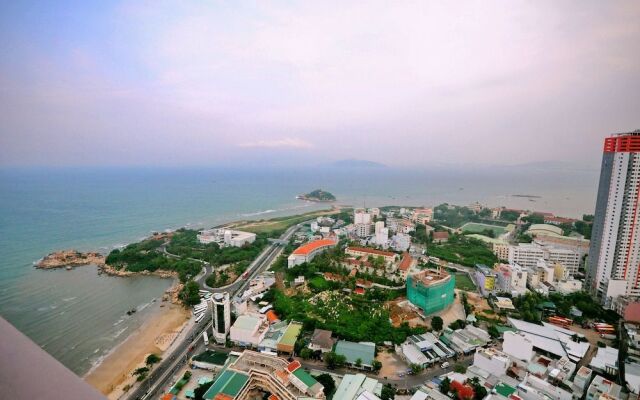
(317, 195)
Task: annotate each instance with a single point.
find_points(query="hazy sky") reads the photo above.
(402, 83)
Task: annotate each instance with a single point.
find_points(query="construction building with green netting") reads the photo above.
(431, 290)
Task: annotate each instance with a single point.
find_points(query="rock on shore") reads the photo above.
(70, 258)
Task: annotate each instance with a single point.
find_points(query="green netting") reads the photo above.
(432, 298)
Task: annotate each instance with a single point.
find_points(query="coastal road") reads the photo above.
(157, 379)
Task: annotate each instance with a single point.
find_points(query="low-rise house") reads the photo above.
(358, 387)
(364, 352)
(605, 360)
(603, 387)
(322, 341)
(287, 343)
(249, 330)
(440, 237)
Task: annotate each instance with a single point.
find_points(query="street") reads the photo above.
(159, 376)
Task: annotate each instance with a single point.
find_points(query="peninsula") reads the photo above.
(70, 258)
(318, 195)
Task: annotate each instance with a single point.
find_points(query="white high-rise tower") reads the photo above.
(614, 255)
(221, 316)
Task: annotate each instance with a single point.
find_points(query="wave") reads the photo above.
(69, 298)
(253, 214)
(120, 332)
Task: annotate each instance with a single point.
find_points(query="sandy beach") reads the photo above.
(154, 336)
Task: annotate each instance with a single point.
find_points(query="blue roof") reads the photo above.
(352, 351)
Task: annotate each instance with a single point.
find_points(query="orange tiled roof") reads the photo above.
(372, 251)
(441, 235)
(222, 396)
(311, 246)
(359, 291)
(272, 316)
(293, 366)
(406, 262)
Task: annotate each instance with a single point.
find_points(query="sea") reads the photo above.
(79, 316)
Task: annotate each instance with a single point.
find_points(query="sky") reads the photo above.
(410, 84)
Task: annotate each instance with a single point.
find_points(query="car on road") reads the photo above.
(445, 365)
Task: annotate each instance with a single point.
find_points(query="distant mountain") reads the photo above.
(353, 163)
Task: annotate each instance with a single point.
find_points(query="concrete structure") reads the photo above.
(249, 330)
(605, 360)
(491, 360)
(361, 216)
(401, 242)
(614, 256)
(486, 279)
(431, 290)
(601, 386)
(466, 340)
(359, 387)
(518, 346)
(381, 237)
(363, 351)
(528, 254)
(226, 237)
(568, 286)
(221, 316)
(308, 251)
(511, 279)
(252, 374)
(554, 340)
(582, 379)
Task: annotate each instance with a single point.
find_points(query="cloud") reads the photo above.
(293, 143)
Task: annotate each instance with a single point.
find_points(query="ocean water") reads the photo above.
(78, 316)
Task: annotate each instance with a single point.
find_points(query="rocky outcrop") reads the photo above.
(70, 258)
(109, 270)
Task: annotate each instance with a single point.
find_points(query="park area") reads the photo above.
(476, 227)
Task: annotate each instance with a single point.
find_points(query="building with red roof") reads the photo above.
(367, 252)
(308, 251)
(405, 264)
(440, 237)
(359, 290)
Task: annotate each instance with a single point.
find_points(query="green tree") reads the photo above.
(306, 353)
(334, 360)
(140, 371)
(460, 368)
(377, 365)
(189, 294)
(493, 331)
(358, 363)
(416, 368)
(388, 392)
(445, 386)
(329, 384)
(152, 359)
(201, 390)
(436, 323)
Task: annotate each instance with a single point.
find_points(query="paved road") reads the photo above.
(172, 362)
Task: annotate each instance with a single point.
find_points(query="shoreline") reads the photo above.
(158, 332)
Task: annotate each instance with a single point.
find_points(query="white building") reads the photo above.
(511, 279)
(362, 230)
(518, 346)
(381, 234)
(249, 330)
(492, 361)
(568, 286)
(374, 211)
(528, 254)
(308, 251)
(614, 255)
(226, 237)
(361, 216)
(221, 316)
(401, 242)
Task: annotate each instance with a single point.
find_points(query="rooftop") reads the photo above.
(307, 248)
(431, 276)
(371, 251)
(406, 262)
(354, 351)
